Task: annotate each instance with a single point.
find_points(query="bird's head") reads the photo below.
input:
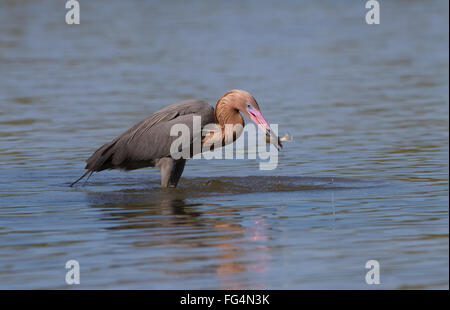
(243, 101)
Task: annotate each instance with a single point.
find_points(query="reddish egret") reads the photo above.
(147, 144)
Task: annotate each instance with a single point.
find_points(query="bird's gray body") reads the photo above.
(147, 144)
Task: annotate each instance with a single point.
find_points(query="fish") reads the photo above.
(273, 139)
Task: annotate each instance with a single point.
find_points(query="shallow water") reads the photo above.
(365, 178)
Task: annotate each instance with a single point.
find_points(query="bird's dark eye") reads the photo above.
(248, 106)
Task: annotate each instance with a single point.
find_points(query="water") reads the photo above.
(366, 177)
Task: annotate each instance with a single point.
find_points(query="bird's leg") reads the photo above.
(171, 171)
(177, 172)
(165, 165)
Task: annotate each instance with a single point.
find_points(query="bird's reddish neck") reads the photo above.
(227, 114)
(229, 119)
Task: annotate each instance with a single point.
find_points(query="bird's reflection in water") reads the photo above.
(232, 252)
(202, 238)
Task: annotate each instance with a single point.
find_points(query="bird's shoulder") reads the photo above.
(187, 107)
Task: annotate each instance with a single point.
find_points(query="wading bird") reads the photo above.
(148, 143)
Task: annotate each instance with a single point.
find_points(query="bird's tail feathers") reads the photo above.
(80, 178)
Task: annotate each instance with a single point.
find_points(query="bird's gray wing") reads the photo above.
(149, 139)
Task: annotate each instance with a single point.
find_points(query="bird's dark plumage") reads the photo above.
(149, 140)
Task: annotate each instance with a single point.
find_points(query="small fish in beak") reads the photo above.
(258, 118)
(272, 138)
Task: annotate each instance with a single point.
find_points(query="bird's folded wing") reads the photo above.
(149, 139)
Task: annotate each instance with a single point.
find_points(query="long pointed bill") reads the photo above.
(258, 118)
